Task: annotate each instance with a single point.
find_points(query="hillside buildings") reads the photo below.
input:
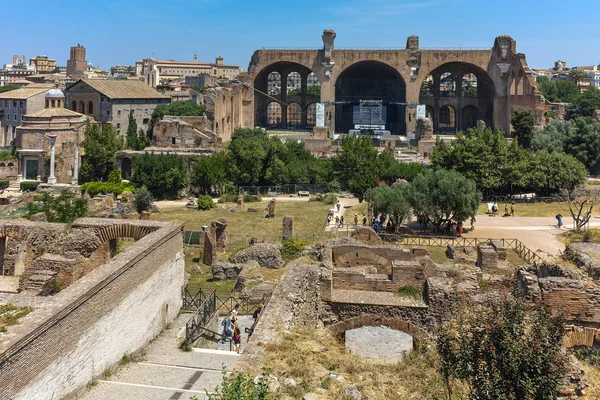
(111, 101)
(43, 64)
(154, 71)
(14, 105)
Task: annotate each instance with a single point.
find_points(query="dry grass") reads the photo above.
(318, 363)
(568, 237)
(592, 377)
(10, 314)
(531, 209)
(309, 217)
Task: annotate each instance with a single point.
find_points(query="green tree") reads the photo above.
(354, 164)
(100, 145)
(559, 91)
(7, 88)
(391, 200)
(443, 196)
(583, 141)
(179, 108)
(552, 136)
(143, 199)
(164, 175)
(210, 174)
(585, 103)
(480, 155)
(577, 76)
(552, 172)
(507, 350)
(64, 208)
(135, 140)
(523, 122)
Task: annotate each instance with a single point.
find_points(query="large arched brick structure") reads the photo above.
(501, 66)
(339, 329)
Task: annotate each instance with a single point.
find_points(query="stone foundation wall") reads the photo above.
(414, 315)
(60, 347)
(9, 170)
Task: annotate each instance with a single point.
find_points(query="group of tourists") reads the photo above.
(231, 328)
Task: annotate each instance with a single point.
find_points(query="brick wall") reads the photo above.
(88, 327)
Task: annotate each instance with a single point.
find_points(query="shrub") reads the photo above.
(115, 176)
(334, 187)
(329, 198)
(6, 155)
(250, 198)
(292, 248)
(205, 203)
(228, 198)
(410, 292)
(242, 387)
(3, 184)
(143, 199)
(64, 208)
(94, 188)
(29, 186)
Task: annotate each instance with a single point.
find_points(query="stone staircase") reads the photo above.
(40, 282)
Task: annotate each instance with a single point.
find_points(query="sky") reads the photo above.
(123, 31)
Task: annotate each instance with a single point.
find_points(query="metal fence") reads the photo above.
(201, 318)
(522, 251)
(283, 189)
(239, 240)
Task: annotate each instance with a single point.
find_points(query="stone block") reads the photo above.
(419, 251)
(320, 132)
(500, 249)
(425, 147)
(288, 227)
(407, 272)
(367, 235)
(487, 258)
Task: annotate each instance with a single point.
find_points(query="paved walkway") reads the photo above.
(345, 204)
(165, 372)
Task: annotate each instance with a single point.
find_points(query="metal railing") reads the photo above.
(203, 315)
(283, 189)
(522, 251)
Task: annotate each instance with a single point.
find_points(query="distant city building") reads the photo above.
(122, 71)
(111, 101)
(3, 79)
(203, 80)
(52, 126)
(19, 60)
(43, 64)
(14, 105)
(153, 71)
(77, 65)
(594, 78)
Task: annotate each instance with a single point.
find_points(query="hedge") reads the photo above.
(3, 184)
(29, 186)
(94, 188)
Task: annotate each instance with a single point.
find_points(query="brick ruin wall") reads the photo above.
(57, 349)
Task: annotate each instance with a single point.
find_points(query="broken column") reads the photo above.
(271, 209)
(52, 178)
(217, 229)
(487, 258)
(288, 227)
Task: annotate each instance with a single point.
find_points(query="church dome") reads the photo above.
(55, 93)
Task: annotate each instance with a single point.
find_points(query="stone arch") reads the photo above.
(447, 118)
(338, 330)
(473, 86)
(311, 115)
(370, 80)
(364, 256)
(294, 114)
(116, 231)
(469, 117)
(293, 73)
(274, 112)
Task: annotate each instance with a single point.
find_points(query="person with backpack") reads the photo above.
(559, 220)
(227, 329)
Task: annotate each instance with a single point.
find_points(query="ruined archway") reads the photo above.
(278, 86)
(370, 80)
(460, 90)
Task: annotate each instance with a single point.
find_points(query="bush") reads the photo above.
(242, 387)
(250, 198)
(410, 292)
(228, 198)
(115, 176)
(94, 188)
(6, 155)
(292, 248)
(64, 208)
(329, 198)
(334, 187)
(143, 199)
(3, 184)
(205, 203)
(29, 186)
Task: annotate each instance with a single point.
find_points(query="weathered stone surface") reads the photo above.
(39, 217)
(223, 271)
(268, 255)
(586, 256)
(352, 393)
(424, 129)
(487, 258)
(288, 227)
(367, 235)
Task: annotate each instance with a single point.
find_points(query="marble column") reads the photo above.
(52, 178)
(75, 178)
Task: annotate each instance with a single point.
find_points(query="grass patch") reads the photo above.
(531, 209)
(291, 249)
(485, 286)
(438, 254)
(512, 258)
(586, 235)
(10, 315)
(410, 292)
(316, 360)
(309, 217)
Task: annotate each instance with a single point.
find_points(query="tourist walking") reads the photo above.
(227, 329)
(341, 222)
(473, 220)
(237, 339)
(338, 205)
(460, 229)
(355, 219)
(559, 220)
(494, 209)
(257, 312)
(364, 219)
(512, 209)
(506, 210)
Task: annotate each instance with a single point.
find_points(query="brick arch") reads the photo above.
(338, 330)
(116, 231)
(364, 257)
(581, 336)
